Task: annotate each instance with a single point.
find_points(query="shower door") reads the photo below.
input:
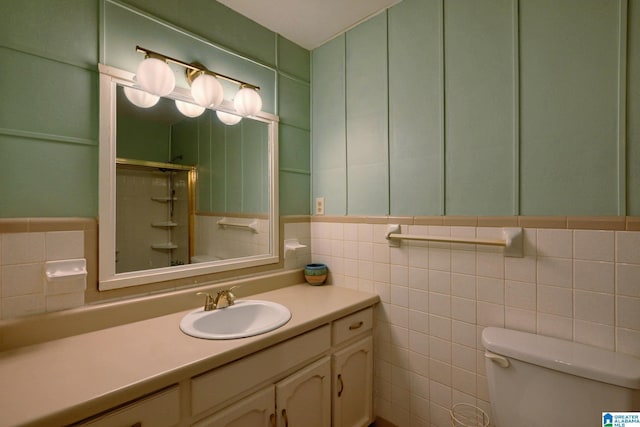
(153, 215)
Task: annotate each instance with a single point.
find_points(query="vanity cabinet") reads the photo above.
(336, 389)
(304, 398)
(228, 384)
(352, 370)
(301, 399)
(353, 387)
(161, 409)
(320, 378)
(257, 410)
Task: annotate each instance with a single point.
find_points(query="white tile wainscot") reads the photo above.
(24, 288)
(582, 285)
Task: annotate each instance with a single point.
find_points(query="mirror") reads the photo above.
(182, 196)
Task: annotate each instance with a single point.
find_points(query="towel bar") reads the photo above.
(512, 239)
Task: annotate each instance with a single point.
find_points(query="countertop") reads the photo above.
(66, 380)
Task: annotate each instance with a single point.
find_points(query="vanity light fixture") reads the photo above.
(188, 109)
(247, 101)
(228, 118)
(205, 88)
(156, 77)
(140, 98)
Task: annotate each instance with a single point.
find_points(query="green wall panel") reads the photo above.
(64, 30)
(255, 166)
(415, 94)
(182, 150)
(125, 28)
(569, 107)
(294, 102)
(205, 195)
(49, 97)
(234, 168)
(633, 112)
(479, 92)
(367, 118)
(329, 160)
(293, 59)
(294, 148)
(48, 179)
(294, 193)
(49, 52)
(294, 163)
(214, 21)
(219, 165)
(507, 106)
(139, 139)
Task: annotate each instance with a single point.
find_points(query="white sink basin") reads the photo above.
(245, 318)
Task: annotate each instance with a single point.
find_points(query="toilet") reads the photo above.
(542, 381)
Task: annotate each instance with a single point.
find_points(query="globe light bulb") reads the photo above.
(228, 118)
(207, 91)
(188, 109)
(155, 76)
(140, 98)
(247, 101)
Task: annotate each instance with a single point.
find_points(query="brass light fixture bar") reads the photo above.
(194, 69)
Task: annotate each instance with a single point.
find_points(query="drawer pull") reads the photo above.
(356, 325)
(272, 419)
(340, 384)
(138, 424)
(285, 418)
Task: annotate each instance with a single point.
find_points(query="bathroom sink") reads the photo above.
(245, 318)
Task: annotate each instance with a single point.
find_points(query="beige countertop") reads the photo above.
(68, 379)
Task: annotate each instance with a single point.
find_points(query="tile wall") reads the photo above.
(297, 245)
(24, 288)
(27, 244)
(231, 242)
(581, 285)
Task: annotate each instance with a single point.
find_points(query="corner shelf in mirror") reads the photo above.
(164, 246)
(163, 224)
(163, 199)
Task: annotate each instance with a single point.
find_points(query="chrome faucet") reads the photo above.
(222, 299)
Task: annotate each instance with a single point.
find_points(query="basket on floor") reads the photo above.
(467, 415)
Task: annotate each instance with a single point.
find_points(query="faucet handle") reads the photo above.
(209, 302)
(231, 297)
(224, 298)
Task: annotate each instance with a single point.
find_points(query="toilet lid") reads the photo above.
(565, 356)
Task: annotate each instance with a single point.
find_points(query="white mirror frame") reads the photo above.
(108, 279)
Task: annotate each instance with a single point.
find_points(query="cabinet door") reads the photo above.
(353, 385)
(304, 398)
(256, 410)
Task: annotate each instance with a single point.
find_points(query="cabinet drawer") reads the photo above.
(220, 385)
(161, 409)
(352, 325)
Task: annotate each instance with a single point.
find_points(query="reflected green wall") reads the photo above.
(233, 165)
(49, 51)
(143, 140)
(489, 107)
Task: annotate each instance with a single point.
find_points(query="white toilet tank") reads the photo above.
(542, 381)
